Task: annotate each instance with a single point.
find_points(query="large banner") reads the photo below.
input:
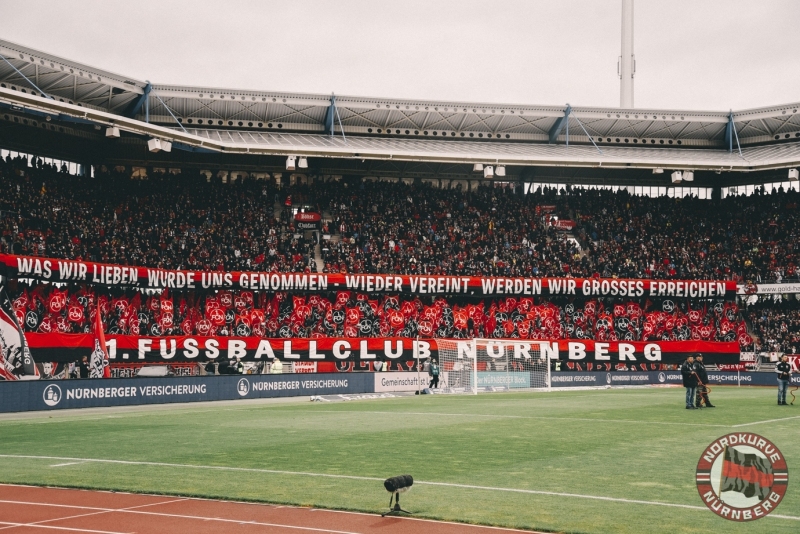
(67, 271)
(130, 349)
(54, 395)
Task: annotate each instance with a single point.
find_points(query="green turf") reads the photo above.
(637, 444)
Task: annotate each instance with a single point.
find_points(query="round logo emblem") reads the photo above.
(51, 395)
(243, 387)
(662, 377)
(608, 378)
(742, 476)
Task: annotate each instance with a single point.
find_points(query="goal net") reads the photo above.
(473, 365)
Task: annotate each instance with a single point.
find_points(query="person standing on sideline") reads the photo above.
(784, 370)
(433, 371)
(702, 380)
(83, 369)
(689, 381)
(276, 368)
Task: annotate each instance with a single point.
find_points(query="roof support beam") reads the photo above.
(730, 134)
(330, 116)
(555, 131)
(136, 106)
(26, 78)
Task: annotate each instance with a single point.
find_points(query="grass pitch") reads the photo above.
(575, 461)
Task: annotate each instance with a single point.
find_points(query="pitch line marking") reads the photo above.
(65, 464)
(356, 477)
(549, 418)
(133, 510)
(766, 421)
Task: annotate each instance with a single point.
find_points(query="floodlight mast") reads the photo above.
(627, 61)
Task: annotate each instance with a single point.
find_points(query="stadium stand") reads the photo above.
(776, 326)
(185, 221)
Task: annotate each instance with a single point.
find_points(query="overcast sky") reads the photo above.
(690, 54)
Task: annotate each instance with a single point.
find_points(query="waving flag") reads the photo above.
(15, 358)
(98, 361)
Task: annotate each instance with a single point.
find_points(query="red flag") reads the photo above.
(98, 361)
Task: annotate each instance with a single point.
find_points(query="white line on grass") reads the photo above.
(560, 419)
(355, 477)
(65, 464)
(766, 421)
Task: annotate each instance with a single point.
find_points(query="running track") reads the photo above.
(35, 510)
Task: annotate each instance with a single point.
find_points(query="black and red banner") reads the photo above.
(131, 349)
(75, 271)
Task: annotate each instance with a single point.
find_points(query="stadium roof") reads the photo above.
(265, 122)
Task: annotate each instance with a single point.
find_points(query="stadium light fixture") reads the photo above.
(290, 163)
(688, 176)
(500, 170)
(793, 175)
(478, 167)
(154, 145)
(658, 170)
(676, 177)
(166, 146)
(112, 132)
(302, 163)
(488, 171)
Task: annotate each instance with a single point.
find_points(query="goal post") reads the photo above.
(473, 365)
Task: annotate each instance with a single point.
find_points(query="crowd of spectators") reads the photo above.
(188, 222)
(496, 231)
(168, 221)
(776, 326)
(45, 308)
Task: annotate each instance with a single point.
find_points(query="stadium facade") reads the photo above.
(63, 109)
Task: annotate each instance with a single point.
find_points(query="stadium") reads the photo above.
(227, 310)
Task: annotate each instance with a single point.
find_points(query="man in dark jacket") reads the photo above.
(689, 381)
(83, 367)
(702, 380)
(784, 370)
(433, 371)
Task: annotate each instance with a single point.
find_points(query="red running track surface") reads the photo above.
(35, 510)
